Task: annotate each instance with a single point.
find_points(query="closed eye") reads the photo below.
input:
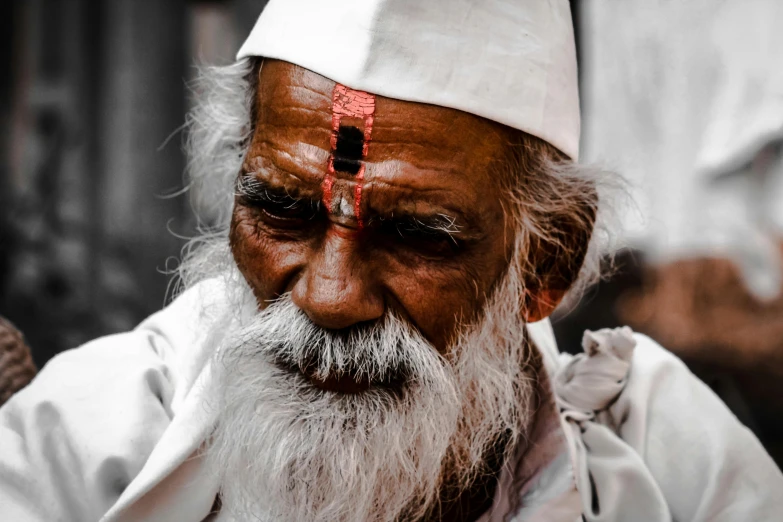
(438, 230)
(434, 235)
(275, 203)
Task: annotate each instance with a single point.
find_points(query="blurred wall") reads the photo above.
(91, 167)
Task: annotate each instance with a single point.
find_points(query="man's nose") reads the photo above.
(338, 289)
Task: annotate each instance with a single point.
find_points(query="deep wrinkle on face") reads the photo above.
(434, 238)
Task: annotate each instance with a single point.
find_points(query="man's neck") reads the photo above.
(476, 500)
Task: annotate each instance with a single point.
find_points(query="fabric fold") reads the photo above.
(607, 470)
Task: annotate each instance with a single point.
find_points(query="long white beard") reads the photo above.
(285, 450)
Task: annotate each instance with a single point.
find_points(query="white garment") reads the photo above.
(111, 431)
(511, 61)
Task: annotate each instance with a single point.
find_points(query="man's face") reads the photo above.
(372, 235)
(405, 216)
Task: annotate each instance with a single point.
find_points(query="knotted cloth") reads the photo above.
(586, 386)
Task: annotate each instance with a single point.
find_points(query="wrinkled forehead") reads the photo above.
(302, 102)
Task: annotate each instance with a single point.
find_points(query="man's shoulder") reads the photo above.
(705, 461)
(87, 423)
(662, 388)
(652, 361)
(75, 436)
(188, 317)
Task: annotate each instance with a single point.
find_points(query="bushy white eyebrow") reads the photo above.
(442, 223)
(250, 186)
(435, 225)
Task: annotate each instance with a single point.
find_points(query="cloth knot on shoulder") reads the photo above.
(611, 477)
(591, 381)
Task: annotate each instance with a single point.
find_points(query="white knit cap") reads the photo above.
(511, 61)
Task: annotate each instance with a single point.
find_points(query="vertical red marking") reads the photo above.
(368, 121)
(357, 196)
(326, 186)
(347, 102)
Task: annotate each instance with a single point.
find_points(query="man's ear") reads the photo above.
(558, 259)
(541, 304)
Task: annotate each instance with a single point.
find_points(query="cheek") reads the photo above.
(268, 265)
(439, 299)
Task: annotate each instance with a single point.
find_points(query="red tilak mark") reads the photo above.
(326, 186)
(347, 102)
(357, 194)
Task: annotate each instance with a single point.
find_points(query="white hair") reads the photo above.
(285, 450)
(218, 132)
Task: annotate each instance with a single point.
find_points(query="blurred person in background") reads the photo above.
(686, 100)
(364, 335)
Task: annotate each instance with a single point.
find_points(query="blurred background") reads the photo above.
(685, 99)
(92, 97)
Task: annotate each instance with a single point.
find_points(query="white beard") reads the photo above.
(285, 450)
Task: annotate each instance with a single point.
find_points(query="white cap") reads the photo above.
(511, 61)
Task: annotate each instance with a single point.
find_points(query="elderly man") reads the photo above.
(365, 338)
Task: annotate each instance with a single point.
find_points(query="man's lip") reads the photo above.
(341, 384)
(346, 382)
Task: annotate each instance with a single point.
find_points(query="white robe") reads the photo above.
(111, 431)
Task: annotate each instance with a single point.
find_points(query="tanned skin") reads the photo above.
(426, 168)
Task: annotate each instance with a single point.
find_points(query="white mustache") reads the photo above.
(388, 352)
